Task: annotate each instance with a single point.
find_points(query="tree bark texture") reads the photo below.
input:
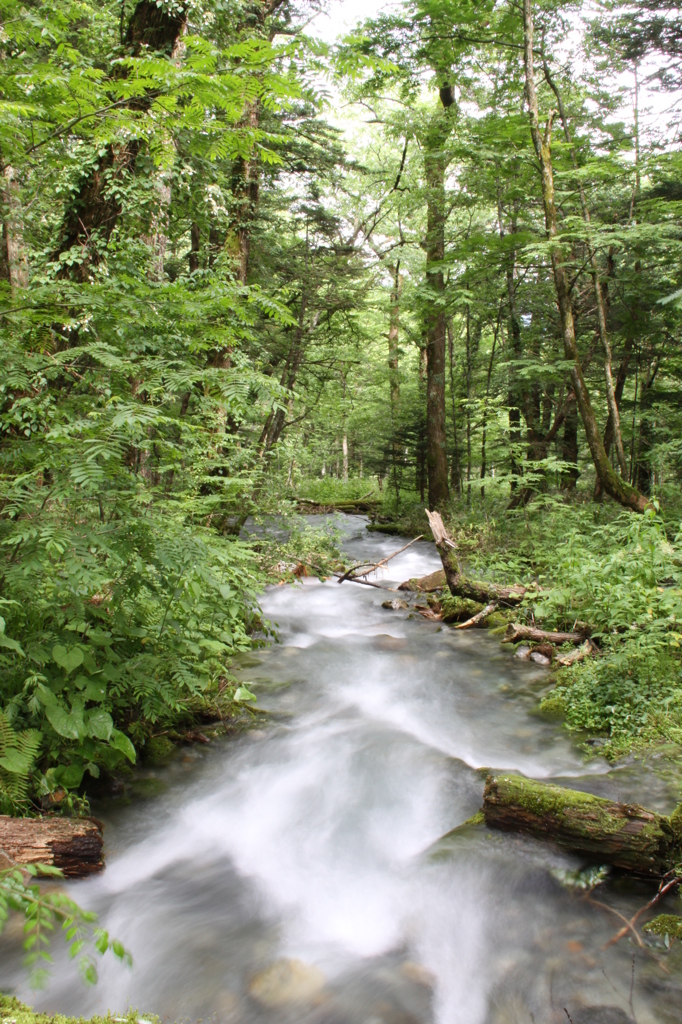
(72, 844)
(13, 247)
(459, 584)
(614, 485)
(436, 320)
(604, 831)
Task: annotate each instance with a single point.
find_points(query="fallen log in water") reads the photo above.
(459, 584)
(516, 632)
(625, 835)
(72, 844)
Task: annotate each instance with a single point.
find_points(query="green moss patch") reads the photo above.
(11, 1010)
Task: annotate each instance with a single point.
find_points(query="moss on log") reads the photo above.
(625, 835)
(72, 844)
(427, 584)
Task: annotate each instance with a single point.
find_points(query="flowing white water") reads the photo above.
(310, 839)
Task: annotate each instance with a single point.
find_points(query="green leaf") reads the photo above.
(68, 660)
(99, 724)
(243, 694)
(121, 742)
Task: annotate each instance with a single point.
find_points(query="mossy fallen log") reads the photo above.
(72, 844)
(626, 835)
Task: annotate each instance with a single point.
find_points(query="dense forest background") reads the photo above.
(436, 263)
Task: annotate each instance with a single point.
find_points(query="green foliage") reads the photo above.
(668, 926)
(43, 910)
(18, 751)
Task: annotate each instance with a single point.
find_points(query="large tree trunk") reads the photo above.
(436, 321)
(95, 209)
(72, 844)
(625, 835)
(614, 485)
(393, 371)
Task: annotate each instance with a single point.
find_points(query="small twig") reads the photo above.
(664, 888)
(376, 565)
(479, 617)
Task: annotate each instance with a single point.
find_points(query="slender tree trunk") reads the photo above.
(455, 462)
(614, 416)
(195, 241)
(514, 336)
(487, 399)
(569, 448)
(246, 191)
(435, 164)
(614, 485)
(393, 371)
(14, 249)
(643, 473)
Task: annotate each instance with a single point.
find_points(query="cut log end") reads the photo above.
(74, 845)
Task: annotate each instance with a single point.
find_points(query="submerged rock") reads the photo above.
(418, 974)
(601, 1015)
(286, 981)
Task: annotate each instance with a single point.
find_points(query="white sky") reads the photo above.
(343, 15)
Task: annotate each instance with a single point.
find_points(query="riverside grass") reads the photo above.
(18, 1013)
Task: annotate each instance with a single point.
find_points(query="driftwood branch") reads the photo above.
(584, 651)
(373, 566)
(516, 632)
(72, 844)
(479, 617)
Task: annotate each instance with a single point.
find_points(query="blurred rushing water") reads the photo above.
(307, 844)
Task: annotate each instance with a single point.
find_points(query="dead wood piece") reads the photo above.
(459, 584)
(431, 613)
(370, 567)
(427, 584)
(72, 844)
(516, 631)
(604, 831)
(578, 654)
(476, 619)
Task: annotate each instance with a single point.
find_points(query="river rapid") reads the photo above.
(308, 843)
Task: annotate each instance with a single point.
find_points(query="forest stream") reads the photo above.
(309, 843)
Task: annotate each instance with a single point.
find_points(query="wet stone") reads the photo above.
(522, 653)
(601, 1015)
(395, 605)
(540, 659)
(286, 981)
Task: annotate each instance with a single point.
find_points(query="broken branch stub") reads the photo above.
(459, 584)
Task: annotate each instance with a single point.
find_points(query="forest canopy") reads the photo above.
(437, 262)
